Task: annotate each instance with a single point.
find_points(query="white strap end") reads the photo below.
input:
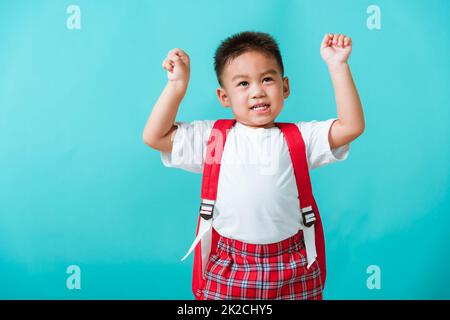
(185, 256)
(310, 262)
(205, 226)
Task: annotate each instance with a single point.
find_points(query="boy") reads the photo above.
(265, 251)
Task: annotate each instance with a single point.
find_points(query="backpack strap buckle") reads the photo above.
(309, 217)
(207, 209)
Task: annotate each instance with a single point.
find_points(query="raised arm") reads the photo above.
(160, 128)
(335, 50)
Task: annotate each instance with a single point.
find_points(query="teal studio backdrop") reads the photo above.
(78, 187)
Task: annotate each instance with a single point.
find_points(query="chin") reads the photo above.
(262, 124)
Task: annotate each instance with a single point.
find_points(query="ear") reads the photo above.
(286, 88)
(223, 97)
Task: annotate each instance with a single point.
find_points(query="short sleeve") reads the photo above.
(189, 146)
(318, 151)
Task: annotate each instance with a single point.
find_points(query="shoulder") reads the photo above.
(194, 129)
(312, 130)
(307, 127)
(196, 124)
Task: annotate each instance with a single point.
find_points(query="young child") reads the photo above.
(264, 248)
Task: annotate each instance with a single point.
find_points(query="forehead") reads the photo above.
(251, 63)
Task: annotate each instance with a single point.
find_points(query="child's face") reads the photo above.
(250, 79)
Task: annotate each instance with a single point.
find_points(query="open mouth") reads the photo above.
(260, 107)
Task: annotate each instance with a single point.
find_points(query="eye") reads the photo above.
(268, 79)
(242, 83)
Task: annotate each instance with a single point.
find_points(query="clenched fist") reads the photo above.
(178, 66)
(335, 48)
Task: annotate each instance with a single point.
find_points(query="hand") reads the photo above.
(178, 66)
(335, 48)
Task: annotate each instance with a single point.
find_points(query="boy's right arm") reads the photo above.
(160, 129)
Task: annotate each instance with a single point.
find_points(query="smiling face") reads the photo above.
(254, 88)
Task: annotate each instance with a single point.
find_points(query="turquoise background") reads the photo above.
(79, 187)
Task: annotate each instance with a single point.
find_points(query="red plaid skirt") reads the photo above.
(240, 271)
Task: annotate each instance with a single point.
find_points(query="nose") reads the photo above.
(258, 92)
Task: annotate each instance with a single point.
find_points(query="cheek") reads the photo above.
(240, 100)
(277, 93)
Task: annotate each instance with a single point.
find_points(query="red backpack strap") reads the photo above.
(210, 179)
(214, 150)
(308, 206)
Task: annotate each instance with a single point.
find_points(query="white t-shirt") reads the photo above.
(257, 197)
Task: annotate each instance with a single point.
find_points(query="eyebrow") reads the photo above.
(271, 71)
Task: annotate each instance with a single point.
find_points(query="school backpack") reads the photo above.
(207, 237)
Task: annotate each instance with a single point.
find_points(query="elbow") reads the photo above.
(358, 128)
(358, 131)
(354, 133)
(362, 128)
(149, 141)
(354, 130)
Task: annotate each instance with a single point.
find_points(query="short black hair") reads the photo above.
(242, 42)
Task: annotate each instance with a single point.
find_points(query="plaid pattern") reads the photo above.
(241, 271)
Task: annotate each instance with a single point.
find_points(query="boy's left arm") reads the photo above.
(335, 51)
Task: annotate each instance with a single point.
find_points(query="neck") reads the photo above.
(265, 126)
